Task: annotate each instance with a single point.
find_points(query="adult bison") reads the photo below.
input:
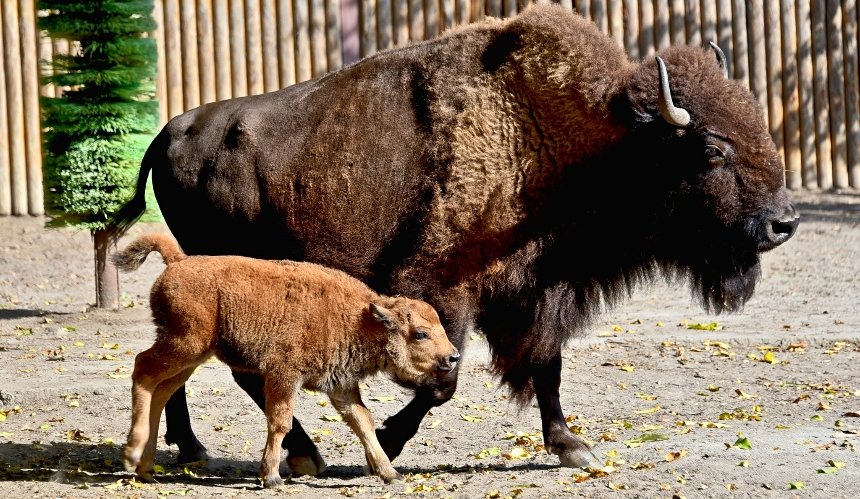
(519, 175)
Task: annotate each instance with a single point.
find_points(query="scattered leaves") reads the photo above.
(713, 326)
(645, 437)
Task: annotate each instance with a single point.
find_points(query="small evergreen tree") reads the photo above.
(97, 131)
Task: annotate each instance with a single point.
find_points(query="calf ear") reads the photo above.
(382, 315)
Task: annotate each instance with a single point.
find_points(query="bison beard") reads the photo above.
(519, 175)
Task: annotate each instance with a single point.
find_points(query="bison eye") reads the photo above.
(421, 335)
(715, 156)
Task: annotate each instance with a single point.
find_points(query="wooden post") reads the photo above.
(401, 21)
(223, 74)
(32, 119)
(823, 149)
(5, 160)
(190, 67)
(598, 15)
(367, 27)
(510, 7)
(806, 96)
(616, 21)
(349, 30)
(758, 61)
(319, 56)
(107, 277)
(583, 7)
(416, 20)
(852, 99)
(631, 29)
(677, 23)
(173, 59)
(693, 22)
(724, 33)
(238, 75)
(333, 31)
(773, 52)
(709, 21)
(253, 47)
(476, 10)
(431, 19)
(662, 17)
(739, 40)
(836, 72)
(286, 43)
(646, 28)
(494, 8)
(447, 16)
(206, 51)
(384, 27)
(271, 76)
(790, 94)
(461, 10)
(15, 108)
(161, 76)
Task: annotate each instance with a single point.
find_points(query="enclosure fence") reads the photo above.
(799, 58)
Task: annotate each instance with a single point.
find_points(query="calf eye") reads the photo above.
(714, 156)
(421, 335)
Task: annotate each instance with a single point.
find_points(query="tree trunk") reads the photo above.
(107, 277)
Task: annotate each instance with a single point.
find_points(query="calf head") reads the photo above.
(702, 142)
(417, 346)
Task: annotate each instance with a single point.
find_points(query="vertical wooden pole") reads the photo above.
(190, 67)
(161, 78)
(431, 19)
(662, 18)
(510, 8)
(724, 33)
(836, 72)
(32, 119)
(598, 15)
(461, 10)
(223, 74)
(350, 32)
(384, 27)
(806, 96)
(447, 15)
(616, 21)
(253, 47)
(693, 22)
(367, 26)
(206, 51)
(646, 28)
(631, 28)
(238, 66)
(173, 59)
(852, 99)
(271, 76)
(476, 10)
(583, 7)
(677, 25)
(739, 40)
(709, 21)
(416, 20)
(773, 53)
(15, 108)
(333, 32)
(823, 148)
(757, 55)
(107, 276)
(790, 94)
(319, 57)
(401, 22)
(5, 160)
(494, 8)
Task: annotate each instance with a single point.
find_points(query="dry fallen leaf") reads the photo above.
(673, 456)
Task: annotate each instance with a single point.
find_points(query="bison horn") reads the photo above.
(721, 58)
(674, 115)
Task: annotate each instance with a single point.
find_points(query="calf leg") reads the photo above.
(179, 429)
(571, 450)
(302, 455)
(279, 416)
(349, 404)
(159, 399)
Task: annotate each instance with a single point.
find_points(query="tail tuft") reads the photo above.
(133, 256)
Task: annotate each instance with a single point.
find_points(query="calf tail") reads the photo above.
(135, 253)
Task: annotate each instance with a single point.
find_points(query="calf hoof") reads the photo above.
(391, 476)
(130, 459)
(580, 457)
(272, 482)
(145, 475)
(312, 465)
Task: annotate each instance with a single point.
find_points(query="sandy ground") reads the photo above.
(768, 405)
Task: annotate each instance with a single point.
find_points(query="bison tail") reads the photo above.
(133, 256)
(128, 214)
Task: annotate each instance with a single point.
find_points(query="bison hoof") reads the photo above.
(312, 465)
(580, 457)
(192, 456)
(272, 482)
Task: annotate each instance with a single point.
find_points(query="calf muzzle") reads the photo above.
(450, 362)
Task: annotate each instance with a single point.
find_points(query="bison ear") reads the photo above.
(382, 315)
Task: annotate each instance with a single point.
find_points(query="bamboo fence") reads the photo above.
(800, 59)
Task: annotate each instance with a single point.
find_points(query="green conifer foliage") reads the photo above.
(97, 131)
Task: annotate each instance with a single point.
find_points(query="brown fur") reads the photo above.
(297, 324)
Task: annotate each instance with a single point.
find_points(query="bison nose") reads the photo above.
(780, 229)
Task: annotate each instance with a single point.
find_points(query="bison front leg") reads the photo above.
(179, 430)
(571, 450)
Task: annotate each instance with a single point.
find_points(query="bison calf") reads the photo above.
(296, 324)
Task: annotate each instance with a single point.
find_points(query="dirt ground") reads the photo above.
(766, 405)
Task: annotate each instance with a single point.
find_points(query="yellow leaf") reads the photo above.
(614, 486)
(646, 396)
(627, 367)
(109, 346)
(5, 434)
(492, 451)
(617, 328)
(672, 456)
(332, 417)
(435, 423)
(649, 411)
(770, 358)
(713, 388)
(471, 419)
(659, 324)
(743, 395)
(312, 393)
(383, 398)
(79, 343)
(517, 453)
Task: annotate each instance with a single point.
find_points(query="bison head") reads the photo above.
(703, 138)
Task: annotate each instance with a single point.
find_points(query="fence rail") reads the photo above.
(798, 57)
